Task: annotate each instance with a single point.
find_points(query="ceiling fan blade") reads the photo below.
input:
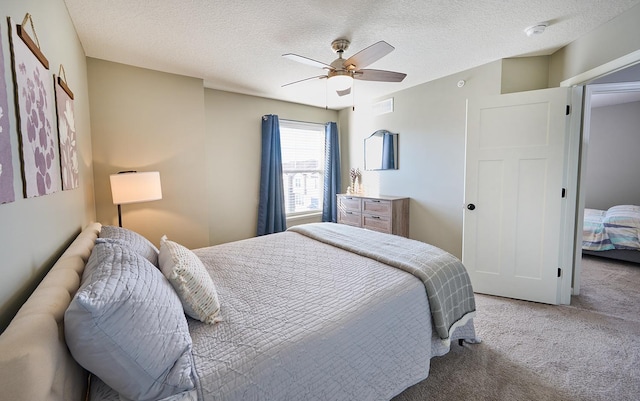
(302, 80)
(344, 92)
(306, 60)
(369, 55)
(379, 75)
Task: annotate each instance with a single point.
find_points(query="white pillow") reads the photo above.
(191, 281)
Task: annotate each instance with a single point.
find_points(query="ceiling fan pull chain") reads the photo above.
(326, 94)
(353, 96)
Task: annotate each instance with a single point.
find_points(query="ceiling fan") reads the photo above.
(341, 72)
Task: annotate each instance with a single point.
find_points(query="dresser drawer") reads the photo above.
(387, 214)
(350, 204)
(376, 223)
(349, 217)
(376, 207)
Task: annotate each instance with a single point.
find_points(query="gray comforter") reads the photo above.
(306, 320)
(445, 278)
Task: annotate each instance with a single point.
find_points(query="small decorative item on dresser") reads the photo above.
(355, 175)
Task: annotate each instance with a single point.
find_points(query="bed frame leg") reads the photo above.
(460, 342)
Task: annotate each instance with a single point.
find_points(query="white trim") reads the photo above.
(304, 125)
(570, 208)
(303, 215)
(604, 69)
(596, 89)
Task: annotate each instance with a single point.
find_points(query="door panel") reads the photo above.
(531, 131)
(490, 186)
(514, 176)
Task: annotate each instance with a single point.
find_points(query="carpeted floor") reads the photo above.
(588, 350)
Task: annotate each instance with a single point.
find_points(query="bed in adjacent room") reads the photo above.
(321, 311)
(613, 233)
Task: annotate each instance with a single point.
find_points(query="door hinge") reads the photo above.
(568, 109)
(564, 192)
(559, 272)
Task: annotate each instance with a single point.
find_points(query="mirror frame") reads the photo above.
(376, 162)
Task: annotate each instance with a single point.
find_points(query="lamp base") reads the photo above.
(119, 216)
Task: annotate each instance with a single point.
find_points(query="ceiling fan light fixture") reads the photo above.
(339, 81)
(341, 73)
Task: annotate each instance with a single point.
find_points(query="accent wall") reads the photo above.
(34, 231)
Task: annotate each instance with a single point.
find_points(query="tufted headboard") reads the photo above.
(35, 363)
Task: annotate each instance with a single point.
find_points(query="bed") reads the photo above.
(321, 311)
(613, 233)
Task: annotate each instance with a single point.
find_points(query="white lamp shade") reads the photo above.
(133, 187)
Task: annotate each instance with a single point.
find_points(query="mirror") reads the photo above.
(381, 151)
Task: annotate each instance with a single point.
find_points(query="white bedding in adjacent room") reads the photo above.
(615, 228)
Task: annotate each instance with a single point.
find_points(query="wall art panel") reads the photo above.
(67, 135)
(38, 142)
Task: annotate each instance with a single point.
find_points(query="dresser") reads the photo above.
(387, 214)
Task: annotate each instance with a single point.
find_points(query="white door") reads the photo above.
(515, 155)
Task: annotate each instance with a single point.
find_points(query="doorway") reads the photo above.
(618, 86)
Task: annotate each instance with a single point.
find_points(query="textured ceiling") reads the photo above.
(237, 45)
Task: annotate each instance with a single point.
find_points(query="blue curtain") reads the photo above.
(388, 159)
(271, 214)
(331, 173)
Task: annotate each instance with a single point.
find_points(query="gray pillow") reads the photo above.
(126, 325)
(133, 240)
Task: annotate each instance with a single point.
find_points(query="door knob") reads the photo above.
(471, 206)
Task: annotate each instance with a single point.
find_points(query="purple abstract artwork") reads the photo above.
(67, 134)
(6, 162)
(39, 144)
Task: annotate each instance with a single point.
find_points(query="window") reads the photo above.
(302, 166)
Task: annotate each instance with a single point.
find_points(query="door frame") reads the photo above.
(570, 207)
(581, 81)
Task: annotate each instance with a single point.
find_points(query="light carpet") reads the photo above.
(588, 350)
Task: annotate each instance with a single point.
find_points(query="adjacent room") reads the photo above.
(319, 200)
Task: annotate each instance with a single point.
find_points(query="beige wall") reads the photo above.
(233, 124)
(617, 38)
(524, 74)
(430, 121)
(34, 231)
(147, 120)
(205, 144)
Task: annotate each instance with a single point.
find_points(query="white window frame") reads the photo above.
(303, 127)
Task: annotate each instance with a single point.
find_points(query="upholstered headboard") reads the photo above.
(35, 363)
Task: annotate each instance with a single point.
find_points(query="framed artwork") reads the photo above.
(34, 95)
(66, 132)
(6, 161)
